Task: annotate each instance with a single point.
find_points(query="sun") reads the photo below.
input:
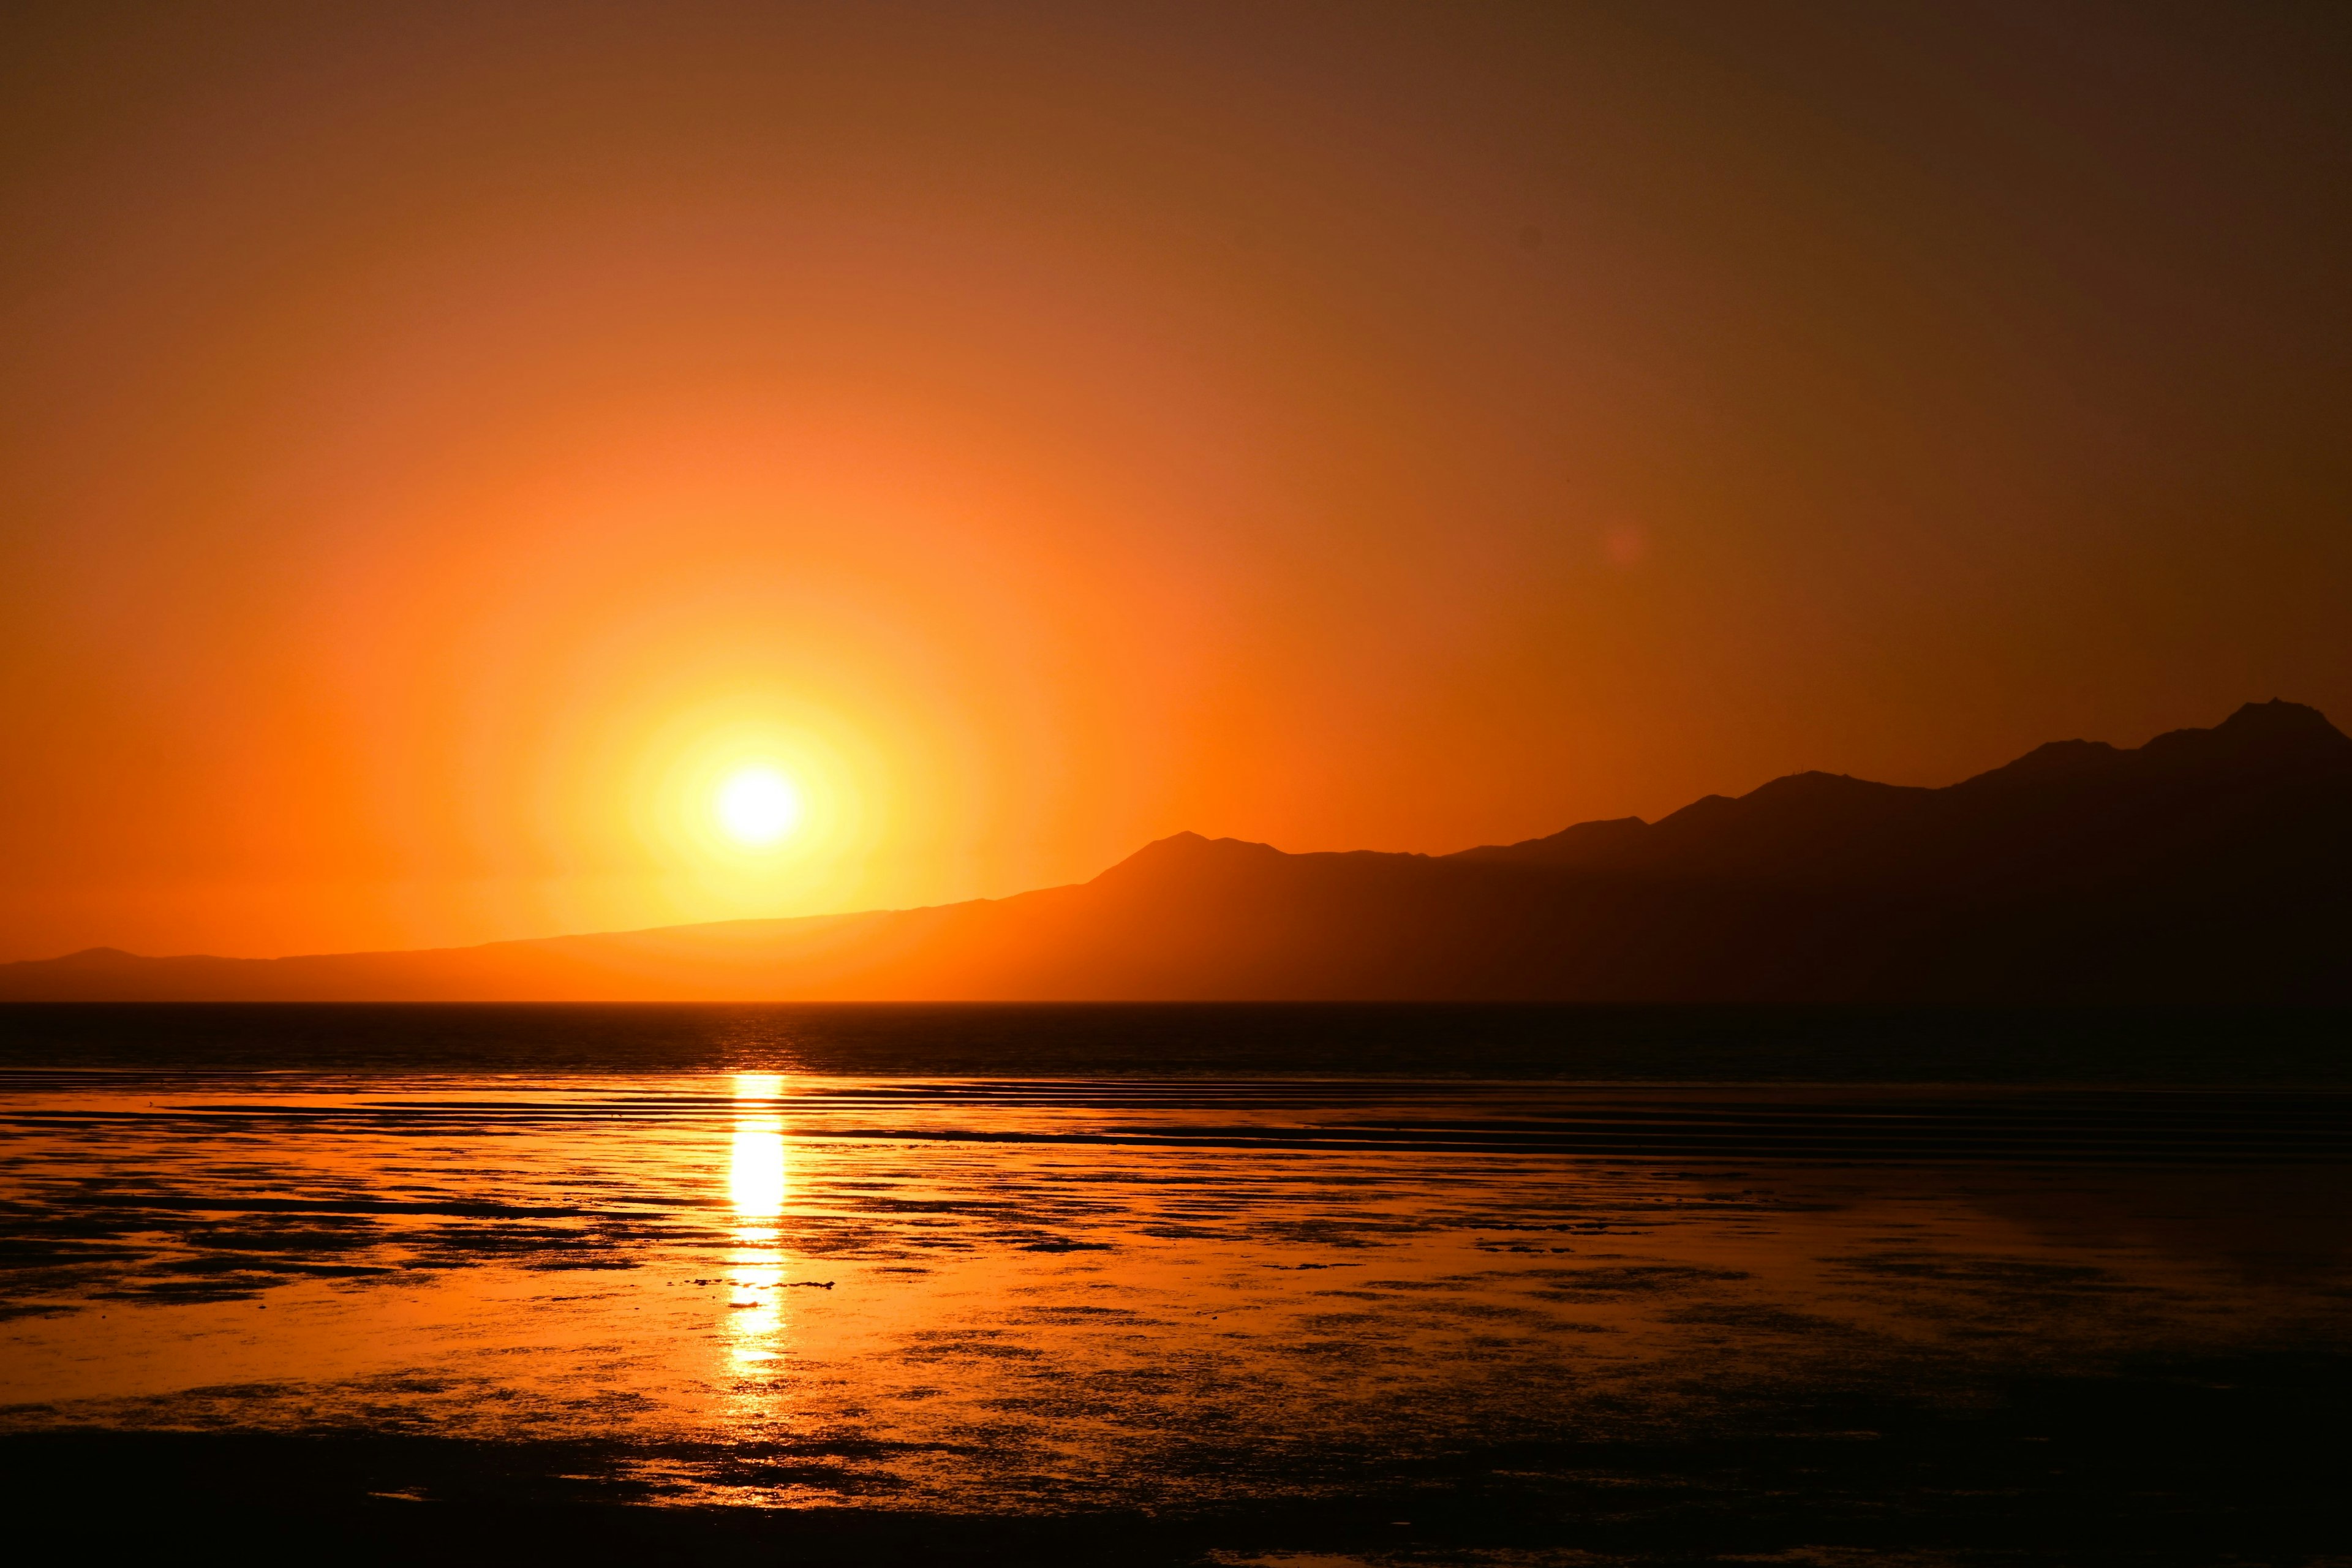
(757, 806)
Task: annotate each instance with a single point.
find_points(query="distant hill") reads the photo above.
(2208, 865)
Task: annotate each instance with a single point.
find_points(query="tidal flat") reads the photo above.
(1182, 1318)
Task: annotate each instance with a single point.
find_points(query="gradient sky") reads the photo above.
(438, 442)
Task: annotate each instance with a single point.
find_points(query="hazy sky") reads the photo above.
(437, 444)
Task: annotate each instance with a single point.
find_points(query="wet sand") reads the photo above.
(1182, 1320)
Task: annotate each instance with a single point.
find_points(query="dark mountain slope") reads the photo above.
(2263, 796)
(2207, 865)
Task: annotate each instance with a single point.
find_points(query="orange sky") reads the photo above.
(437, 444)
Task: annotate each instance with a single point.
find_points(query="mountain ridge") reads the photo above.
(2205, 864)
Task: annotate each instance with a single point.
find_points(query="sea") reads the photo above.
(1294, 1284)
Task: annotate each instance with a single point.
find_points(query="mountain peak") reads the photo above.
(2259, 730)
(2279, 716)
(1191, 843)
(1187, 849)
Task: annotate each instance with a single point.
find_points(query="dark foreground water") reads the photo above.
(1179, 1284)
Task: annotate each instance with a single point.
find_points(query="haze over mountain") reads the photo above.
(2206, 865)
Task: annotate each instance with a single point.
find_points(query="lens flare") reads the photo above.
(758, 807)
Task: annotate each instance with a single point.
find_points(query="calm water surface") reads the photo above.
(1046, 1296)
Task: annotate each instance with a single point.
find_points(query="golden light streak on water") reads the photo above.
(755, 1173)
(757, 1182)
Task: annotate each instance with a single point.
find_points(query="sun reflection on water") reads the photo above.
(755, 1176)
(757, 1183)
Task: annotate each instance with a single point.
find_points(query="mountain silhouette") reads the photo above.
(2207, 865)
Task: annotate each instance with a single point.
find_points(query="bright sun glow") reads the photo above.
(758, 805)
